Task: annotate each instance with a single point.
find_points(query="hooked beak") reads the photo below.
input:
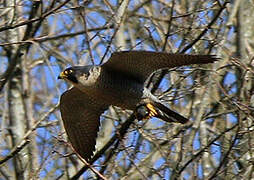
(61, 76)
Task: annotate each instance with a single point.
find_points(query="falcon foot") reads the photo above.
(145, 111)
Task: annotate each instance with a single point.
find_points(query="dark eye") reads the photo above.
(68, 71)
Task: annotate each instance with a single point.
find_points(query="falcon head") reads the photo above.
(80, 75)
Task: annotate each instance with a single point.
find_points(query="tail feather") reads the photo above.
(168, 115)
(150, 109)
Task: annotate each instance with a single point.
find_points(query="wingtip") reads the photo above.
(213, 58)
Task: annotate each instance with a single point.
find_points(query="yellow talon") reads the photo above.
(145, 111)
(152, 111)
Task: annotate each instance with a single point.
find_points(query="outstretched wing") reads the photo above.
(140, 64)
(81, 118)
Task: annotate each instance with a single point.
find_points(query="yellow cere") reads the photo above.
(62, 74)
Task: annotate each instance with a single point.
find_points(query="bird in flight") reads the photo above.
(119, 82)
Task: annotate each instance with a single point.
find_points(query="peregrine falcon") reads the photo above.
(119, 82)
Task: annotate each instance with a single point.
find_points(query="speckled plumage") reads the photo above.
(119, 82)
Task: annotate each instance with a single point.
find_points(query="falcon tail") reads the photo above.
(155, 109)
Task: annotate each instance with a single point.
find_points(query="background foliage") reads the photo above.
(39, 38)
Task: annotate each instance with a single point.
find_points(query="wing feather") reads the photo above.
(81, 118)
(140, 64)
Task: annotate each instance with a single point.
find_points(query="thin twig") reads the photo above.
(206, 29)
(25, 140)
